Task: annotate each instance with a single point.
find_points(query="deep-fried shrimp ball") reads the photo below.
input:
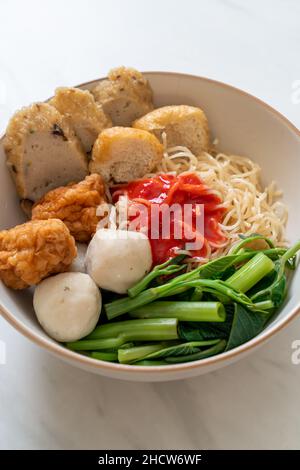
(34, 250)
(75, 205)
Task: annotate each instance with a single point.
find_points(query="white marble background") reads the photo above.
(45, 403)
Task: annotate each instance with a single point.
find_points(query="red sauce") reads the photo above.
(182, 189)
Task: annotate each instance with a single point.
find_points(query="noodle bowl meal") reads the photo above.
(144, 244)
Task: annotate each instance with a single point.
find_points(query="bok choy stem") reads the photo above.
(104, 356)
(264, 305)
(114, 335)
(183, 311)
(126, 356)
(251, 273)
(93, 344)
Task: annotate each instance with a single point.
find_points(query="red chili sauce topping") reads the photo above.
(182, 190)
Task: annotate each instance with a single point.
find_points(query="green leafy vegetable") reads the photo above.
(216, 287)
(94, 344)
(137, 330)
(168, 268)
(211, 271)
(126, 356)
(213, 286)
(251, 273)
(265, 305)
(105, 356)
(196, 295)
(245, 326)
(214, 308)
(114, 335)
(276, 291)
(216, 349)
(183, 311)
(206, 331)
(214, 269)
(181, 349)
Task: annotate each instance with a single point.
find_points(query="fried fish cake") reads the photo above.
(124, 154)
(85, 115)
(43, 151)
(124, 96)
(34, 250)
(183, 125)
(75, 205)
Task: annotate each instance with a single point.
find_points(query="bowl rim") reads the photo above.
(59, 350)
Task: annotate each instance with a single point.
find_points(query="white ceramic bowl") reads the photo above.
(243, 125)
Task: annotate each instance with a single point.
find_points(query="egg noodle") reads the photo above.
(250, 208)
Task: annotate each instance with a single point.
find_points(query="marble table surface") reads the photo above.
(45, 403)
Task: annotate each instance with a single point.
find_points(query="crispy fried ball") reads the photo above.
(75, 205)
(34, 250)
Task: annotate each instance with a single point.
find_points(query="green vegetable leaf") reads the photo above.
(245, 326)
(212, 351)
(181, 349)
(276, 290)
(206, 331)
(263, 284)
(215, 268)
(225, 266)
